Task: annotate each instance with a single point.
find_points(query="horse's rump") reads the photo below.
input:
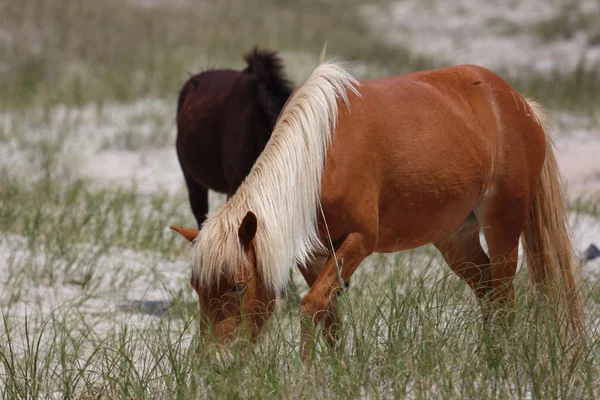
(206, 90)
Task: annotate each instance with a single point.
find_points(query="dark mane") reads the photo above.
(274, 87)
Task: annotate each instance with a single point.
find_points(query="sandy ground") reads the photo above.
(126, 276)
(90, 148)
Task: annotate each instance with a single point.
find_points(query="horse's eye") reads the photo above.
(238, 287)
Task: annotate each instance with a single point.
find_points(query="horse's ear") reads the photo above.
(188, 233)
(247, 229)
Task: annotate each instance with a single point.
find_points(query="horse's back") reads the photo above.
(204, 92)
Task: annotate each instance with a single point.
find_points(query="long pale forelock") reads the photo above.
(283, 188)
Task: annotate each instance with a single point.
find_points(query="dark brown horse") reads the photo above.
(224, 120)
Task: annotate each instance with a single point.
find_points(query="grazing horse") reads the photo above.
(355, 167)
(224, 120)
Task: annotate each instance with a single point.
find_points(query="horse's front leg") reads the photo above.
(198, 196)
(320, 304)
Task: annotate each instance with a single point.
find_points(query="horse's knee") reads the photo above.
(314, 308)
(309, 306)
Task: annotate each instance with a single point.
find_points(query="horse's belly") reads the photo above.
(430, 186)
(417, 231)
(417, 217)
(200, 158)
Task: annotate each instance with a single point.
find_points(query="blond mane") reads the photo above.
(283, 188)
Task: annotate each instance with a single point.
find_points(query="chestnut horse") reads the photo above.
(355, 167)
(224, 120)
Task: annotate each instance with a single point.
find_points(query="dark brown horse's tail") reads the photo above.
(547, 241)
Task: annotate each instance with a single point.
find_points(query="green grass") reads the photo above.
(411, 328)
(578, 91)
(104, 217)
(402, 337)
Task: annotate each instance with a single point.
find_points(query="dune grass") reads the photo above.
(404, 335)
(588, 204)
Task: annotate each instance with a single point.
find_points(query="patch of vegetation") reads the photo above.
(56, 54)
(578, 91)
(60, 216)
(403, 336)
(570, 20)
(587, 204)
(503, 26)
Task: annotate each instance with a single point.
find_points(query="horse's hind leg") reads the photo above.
(503, 218)
(198, 195)
(463, 253)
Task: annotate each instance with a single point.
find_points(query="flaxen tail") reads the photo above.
(547, 241)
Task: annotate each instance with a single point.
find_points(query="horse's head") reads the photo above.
(233, 299)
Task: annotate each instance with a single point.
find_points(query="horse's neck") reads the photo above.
(244, 140)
